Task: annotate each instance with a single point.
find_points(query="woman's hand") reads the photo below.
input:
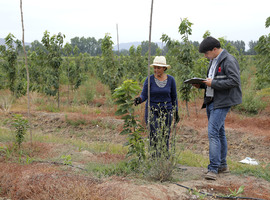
(177, 118)
(137, 101)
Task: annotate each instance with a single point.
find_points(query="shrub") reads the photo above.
(251, 103)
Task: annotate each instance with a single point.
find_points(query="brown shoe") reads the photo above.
(224, 170)
(210, 176)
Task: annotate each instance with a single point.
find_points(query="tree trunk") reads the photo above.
(58, 98)
(68, 86)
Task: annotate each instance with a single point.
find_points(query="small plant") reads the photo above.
(5, 151)
(122, 168)
(67, 159)
(236, 193)
(198, 194)
(29, 160)
(21, 125)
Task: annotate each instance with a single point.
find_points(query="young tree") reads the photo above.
(67, 51)
(52, 62)
(252, 45)
(10, 53)
(263, 66)
(185, 56)
(110, 75)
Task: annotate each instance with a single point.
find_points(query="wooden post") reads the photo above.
(27, 74)
(149, 57)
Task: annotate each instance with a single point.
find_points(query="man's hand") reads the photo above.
(208, 82)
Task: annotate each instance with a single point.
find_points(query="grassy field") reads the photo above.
(76, 152)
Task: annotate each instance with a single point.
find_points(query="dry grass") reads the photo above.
(40, 181)
(6, 101)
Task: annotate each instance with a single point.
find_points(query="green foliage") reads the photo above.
(267, 23)
(66, 159)
(228, 46)
(124, 96)
(263, 64)
(134, 65)
(122, 168)
(197, 193)
(12, 77)
(5, 151)
(185, 55)
(86, 92)
(158, 166)
(160, 160)
(52, 59)
(235, 193)
(185, 29)
(109, 73)
(257, 171)
(136, 146)
(251, 103)
(88, 45)
(145, 48)
(21, 125)
(28, 160)
(206, 34)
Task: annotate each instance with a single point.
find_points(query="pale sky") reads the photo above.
(232, 19)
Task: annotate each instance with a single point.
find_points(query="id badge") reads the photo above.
(209, 92)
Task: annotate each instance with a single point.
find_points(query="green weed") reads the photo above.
(235, 193)
(191, 159)
(122, 168)
(66, 159)
(28, 160)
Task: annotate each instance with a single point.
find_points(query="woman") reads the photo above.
(163, 103)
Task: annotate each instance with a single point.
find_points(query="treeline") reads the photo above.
(92, 46)
(53, 63)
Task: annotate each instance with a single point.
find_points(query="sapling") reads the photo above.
(21, 125)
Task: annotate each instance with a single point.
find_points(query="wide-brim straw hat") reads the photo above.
(160, 61)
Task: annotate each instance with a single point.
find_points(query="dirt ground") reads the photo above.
(247, 137)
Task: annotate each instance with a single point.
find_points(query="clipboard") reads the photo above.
(195, 80)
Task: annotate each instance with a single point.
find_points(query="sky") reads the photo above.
(231, 19)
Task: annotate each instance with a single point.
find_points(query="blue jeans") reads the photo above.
(217, 137)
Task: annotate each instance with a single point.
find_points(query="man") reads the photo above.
(222, 90)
